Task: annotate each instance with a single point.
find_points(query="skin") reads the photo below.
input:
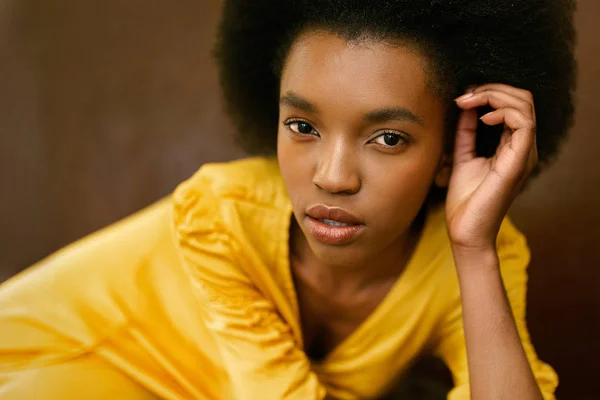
(330, 153)
(345, 163)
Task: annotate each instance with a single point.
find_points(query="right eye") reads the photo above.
(301, 127)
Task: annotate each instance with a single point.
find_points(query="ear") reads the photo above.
(444, 172)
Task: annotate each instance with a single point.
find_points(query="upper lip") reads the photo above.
(321, 211)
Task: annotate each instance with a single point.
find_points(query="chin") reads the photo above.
(348, 255)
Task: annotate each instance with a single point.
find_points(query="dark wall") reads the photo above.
(560, 214)
(106, 105)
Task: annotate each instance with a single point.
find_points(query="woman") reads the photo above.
(376, 235)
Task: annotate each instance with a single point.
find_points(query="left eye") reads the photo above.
(301, 127)
(389, 139)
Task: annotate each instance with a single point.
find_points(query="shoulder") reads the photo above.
(511, 243)
(513, 256)
(240, 207)
(511, 246)
(254, 180)
(509, 235)
(239, 178)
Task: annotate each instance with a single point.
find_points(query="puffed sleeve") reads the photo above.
(514, 258)
(257, 347)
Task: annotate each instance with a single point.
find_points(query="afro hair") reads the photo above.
(524, 43)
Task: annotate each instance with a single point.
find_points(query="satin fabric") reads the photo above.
(193, 298)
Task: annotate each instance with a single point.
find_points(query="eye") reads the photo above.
(301, 127)
(390, 139)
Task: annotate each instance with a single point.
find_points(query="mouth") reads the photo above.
(332, 215)
(333, 225)
(331, 222)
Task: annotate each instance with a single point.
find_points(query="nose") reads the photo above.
(337, 171)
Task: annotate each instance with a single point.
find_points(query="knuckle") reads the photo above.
(529, 95)
(529, 125)
(533, 126)
(530, 99)
(480, 95)
(531, 108)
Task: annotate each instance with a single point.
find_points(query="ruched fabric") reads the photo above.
(193, 298)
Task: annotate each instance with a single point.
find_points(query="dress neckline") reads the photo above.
(407, 275)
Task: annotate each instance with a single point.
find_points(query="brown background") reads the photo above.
(106, 105)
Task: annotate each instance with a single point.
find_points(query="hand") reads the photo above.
(481, 190)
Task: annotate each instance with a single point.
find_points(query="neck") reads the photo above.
(383, 267)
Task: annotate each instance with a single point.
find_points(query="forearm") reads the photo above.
(498, 366)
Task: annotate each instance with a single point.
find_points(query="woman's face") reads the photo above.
(360, 131)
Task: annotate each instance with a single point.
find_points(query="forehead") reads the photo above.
(322, 55)
(330, 70)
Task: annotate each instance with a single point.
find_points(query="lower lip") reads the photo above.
(332, 235)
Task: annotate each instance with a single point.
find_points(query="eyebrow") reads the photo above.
(393, 114)
(378, 115)
(296, 101)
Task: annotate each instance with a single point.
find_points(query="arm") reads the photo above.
(84, 377)
(481, 191)
(497, 362)
(513, 256)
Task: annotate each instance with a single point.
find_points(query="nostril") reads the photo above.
(338, 187)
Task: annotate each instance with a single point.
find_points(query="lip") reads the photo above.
(328, 234)
(321, 211)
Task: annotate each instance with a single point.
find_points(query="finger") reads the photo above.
(533, 156)
(530, 165)
(495, 99)
(522, 140)
(466, 131)
(504, 138)
(523, 94)
(517, 92)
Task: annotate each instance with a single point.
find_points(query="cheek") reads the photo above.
(403, 189)
(293, 164)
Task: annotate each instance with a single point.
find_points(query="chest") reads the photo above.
(330, 313)
(360, 341)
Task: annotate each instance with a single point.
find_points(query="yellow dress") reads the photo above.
(193, 298)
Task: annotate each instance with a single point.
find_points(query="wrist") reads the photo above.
(482, 249)
(475, 257)
(469, 237)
